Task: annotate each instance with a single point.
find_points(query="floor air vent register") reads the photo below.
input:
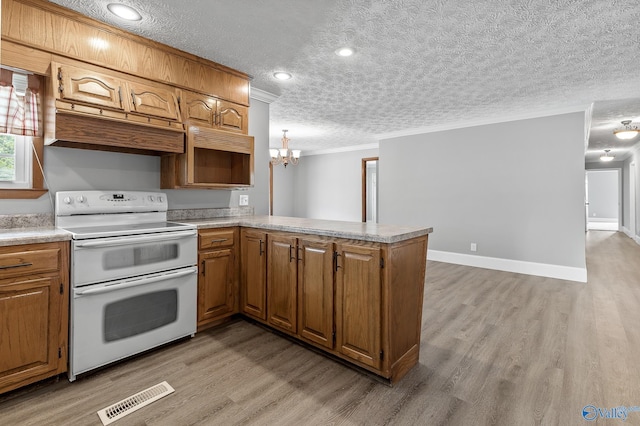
(134, 402)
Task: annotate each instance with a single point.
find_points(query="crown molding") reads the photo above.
(262, 96)
(480, 122)
(341, 149)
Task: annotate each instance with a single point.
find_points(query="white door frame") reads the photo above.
(618, 171)
(632, 201)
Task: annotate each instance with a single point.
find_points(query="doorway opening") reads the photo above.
(603, 199)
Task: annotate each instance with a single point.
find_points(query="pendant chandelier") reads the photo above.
(628, 132)
(284, 155)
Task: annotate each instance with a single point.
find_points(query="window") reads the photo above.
(15, 161)
(21, 141)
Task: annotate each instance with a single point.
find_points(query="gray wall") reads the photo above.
(516, 188)
(603, 195)
(283, 189)
(75, 169)
(329, 186)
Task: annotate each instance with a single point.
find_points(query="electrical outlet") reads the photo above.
(474, 247)
(244, 200)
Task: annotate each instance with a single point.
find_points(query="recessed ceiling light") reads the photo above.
(124, 11)
(345, 51)
(281, 75)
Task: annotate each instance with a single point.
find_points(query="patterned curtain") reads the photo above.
(18, 114)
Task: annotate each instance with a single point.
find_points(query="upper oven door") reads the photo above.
(106, 259)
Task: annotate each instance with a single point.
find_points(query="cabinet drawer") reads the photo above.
(21, 261)
(216, 238)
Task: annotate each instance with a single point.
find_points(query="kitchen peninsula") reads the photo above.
(352, 290)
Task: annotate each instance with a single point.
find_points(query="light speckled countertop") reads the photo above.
(43, 234)
(332, 228)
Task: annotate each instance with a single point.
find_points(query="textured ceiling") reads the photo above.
(418, 63)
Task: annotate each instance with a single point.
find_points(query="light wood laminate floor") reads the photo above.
(497, 348)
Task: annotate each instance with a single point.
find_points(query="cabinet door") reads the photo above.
(358, 303)
(253, 282)
(281, 282)
(75, 84)
(232, 117)
(153, 101)
(30, 317)
(197, 109)
(315, 291)
(216, 289)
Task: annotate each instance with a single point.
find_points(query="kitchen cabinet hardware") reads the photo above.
(18, 265)
(291, 256)
(335, 260)
(203, 267)
(261, 249)
(219, 240)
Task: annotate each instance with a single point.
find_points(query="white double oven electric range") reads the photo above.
(133, 275)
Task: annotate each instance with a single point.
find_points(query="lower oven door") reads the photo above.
(111, 321)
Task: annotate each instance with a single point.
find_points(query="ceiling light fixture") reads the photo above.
(606, 156)
(281, 75)
(284, 155)
(628, 132)
(124, 11)
(345, 51)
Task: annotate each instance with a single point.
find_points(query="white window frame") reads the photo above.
(23, 164)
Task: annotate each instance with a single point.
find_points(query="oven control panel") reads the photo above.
(105, 202)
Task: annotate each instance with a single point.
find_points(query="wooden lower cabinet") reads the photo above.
(34, 300)
(282, 281)
(359, 301)
(315, 291)
(218, 292)
(253, 276)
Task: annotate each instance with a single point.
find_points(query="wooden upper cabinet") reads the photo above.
(151, 100)
(90, 90)
(208, 111)
(197, 109)
(233, 117)
(90, 87)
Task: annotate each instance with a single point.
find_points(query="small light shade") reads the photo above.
(281, 75)
(296, 153)
(124, 11)
(606, 156)
(273, 152)
(626, 134)
(283, 152)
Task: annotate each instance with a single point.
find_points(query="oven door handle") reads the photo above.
(135, 283)
(163, 236)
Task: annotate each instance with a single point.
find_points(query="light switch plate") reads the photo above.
(244, 200)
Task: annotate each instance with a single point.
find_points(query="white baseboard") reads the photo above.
(603, 219)
(519, 266)
(628, 233)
